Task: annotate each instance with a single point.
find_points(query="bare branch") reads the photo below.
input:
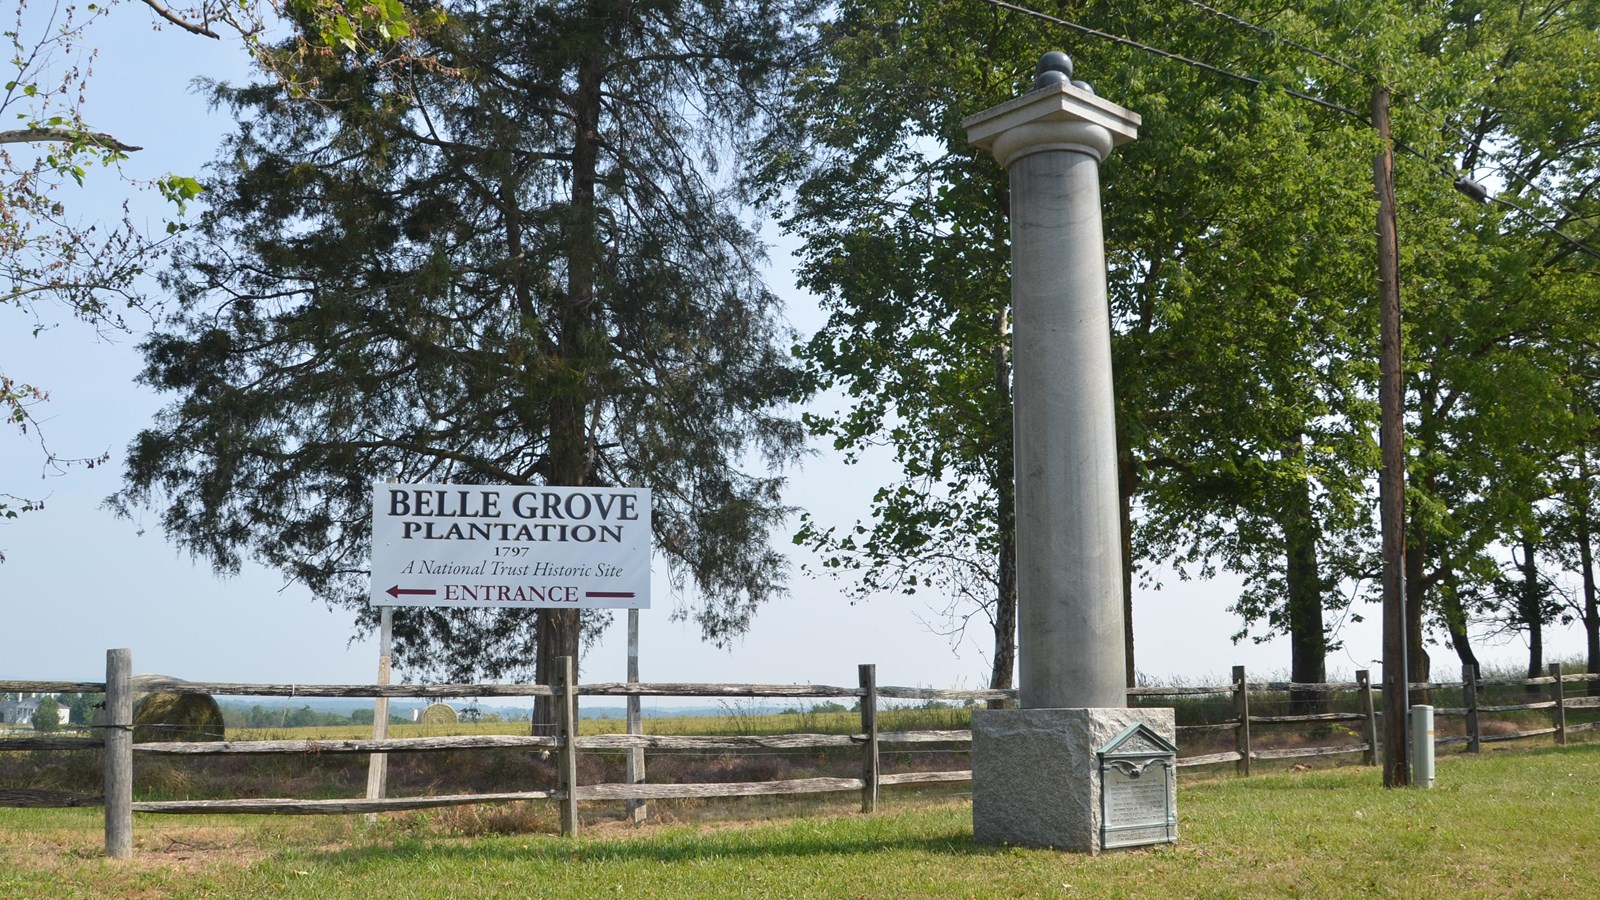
(177, 20)
(44, 135)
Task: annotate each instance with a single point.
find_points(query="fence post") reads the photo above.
(118, 733)
(869, 727)
(1241, 709)
(1558, 692)
(1369, 757)
(567, 760)
(637, 810)
(1469, 697)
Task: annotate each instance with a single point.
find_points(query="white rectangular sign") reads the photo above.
(504, 546)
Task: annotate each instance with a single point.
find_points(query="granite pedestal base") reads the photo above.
(1036, 776)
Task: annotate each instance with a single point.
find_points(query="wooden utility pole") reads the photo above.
(1392, 476)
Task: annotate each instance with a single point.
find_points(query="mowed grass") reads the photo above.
(1519, 823)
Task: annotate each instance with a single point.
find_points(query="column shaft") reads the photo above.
(1069, 557)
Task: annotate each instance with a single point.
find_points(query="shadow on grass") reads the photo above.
(1359, 778)
(677, 845)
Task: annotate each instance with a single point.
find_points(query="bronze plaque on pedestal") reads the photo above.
(1138, 790)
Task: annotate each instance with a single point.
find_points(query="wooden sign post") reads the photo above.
(637, 809)
(378, 767)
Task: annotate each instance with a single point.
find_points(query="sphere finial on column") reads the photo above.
(1054, 67)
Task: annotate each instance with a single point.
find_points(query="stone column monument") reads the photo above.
(1036, 770)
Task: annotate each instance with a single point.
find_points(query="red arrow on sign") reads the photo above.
(397, 591)
(609, 595)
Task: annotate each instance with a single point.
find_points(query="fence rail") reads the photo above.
(566, 744)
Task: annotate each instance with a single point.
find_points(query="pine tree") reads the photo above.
(511, 261)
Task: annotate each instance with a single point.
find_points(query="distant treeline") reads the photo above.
(238, 715)
(256, 715)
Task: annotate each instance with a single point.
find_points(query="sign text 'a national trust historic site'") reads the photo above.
(512, 546)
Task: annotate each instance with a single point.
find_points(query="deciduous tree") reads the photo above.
(1498, 300)
(1232, 226)
(55, 265)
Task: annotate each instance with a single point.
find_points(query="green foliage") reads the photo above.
(179, 189)
(1245, 333)
(905, 246)
(1499, 326)
(1234, 284)
(238, 716)
(516, 264)
(335, 24)
(54, 265)
(82, 707)
(47, 715)
(1242, 290)
(50, 263)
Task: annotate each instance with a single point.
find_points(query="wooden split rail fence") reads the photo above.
(117, 739)
(117, 734)
(1241, 690)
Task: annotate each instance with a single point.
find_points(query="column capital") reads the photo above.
(1059, 116)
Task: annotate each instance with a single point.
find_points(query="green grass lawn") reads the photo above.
(1516, 823)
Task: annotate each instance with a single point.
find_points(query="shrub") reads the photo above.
(47, 716)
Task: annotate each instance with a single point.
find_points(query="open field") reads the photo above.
(1516, 824)
(737, 718)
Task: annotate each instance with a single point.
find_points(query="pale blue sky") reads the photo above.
(77, 581)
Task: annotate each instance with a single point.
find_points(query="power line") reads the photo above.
(1476, 192)
(1577, 244)
(1175, 57)
(1267, 32)
(1471, 188)
(1500, 165)
(1465, 185)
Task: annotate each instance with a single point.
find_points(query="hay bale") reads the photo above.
(164, 717)
(438, 714)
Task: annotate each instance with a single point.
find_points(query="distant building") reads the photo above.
(20, 712)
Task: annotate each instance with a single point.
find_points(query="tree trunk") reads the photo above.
(1005, 619)
(1128, 484)
(1425, 439)
(1591, 610)
(1530, 611)
(556, 636)
(1418, 665)
(1005, 491)
(1455, 621)
(569, 460)
(1308, 639)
